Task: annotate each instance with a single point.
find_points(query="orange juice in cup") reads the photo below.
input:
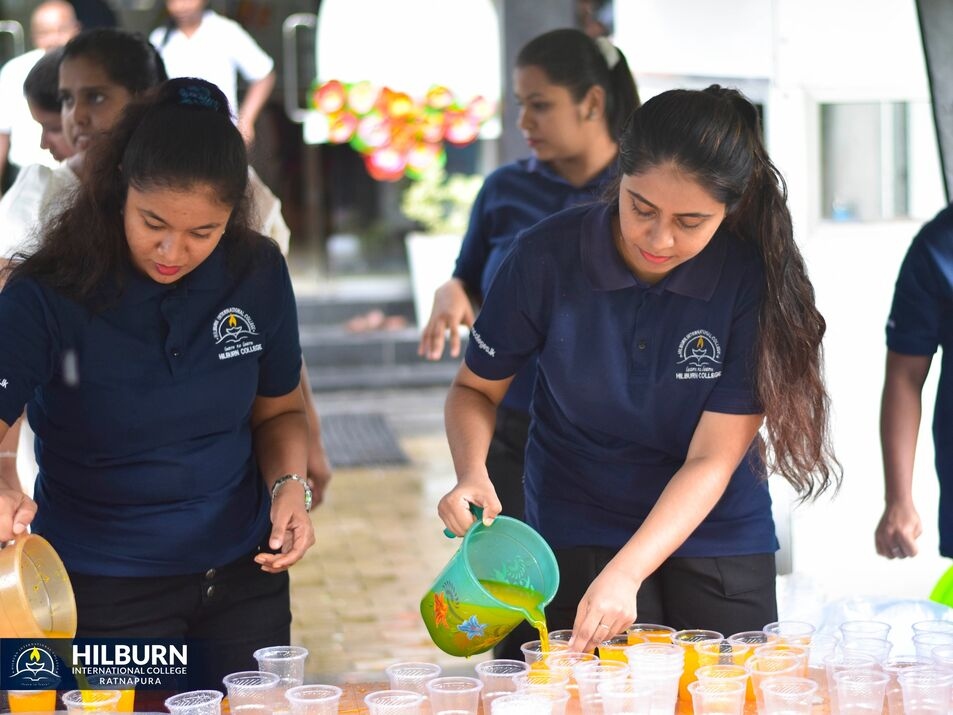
(687, 640)
(127, 699)
(652, 632)
(31, 701)
(614, 648)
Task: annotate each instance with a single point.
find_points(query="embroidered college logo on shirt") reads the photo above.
(234, 331)
(699, 357)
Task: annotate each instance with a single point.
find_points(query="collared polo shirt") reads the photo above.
(625, 372)
(921, 320)
(513, 198)
(216, 51)
(142, 412)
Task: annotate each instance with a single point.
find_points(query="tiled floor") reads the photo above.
(356, 595)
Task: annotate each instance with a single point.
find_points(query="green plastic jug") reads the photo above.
(501, 574)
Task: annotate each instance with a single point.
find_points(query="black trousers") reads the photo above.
(728, 594)
(224, 614)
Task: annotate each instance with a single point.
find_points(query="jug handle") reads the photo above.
(477, 511)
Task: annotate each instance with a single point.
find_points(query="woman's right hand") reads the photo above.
(454, 507)
(16, 512)
(898, 531)
(451, 309)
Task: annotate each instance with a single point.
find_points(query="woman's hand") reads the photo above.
(16, 512)
(454, 507)
(291, 530)
(608, 607)
(451, 308)
(898, 531)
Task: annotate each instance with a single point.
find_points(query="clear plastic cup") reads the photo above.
(614, 648)
(769, 665)
(652, 632)
(926, 691)
(925, 642)
(754, 638)
(864, 629)
(561, 635)
(533, 650)
(314, 699)
(687, 639)
(781, 647)
(546, 682)
(457, 694)
(893, 667)
(589, 675)
(394, 702)
(860, 691)
(936, 625)
(795, 632)
(565, 661)
(498, 676)
(840, 661)
(285, 661)
(195, 702)
(412, 675)
(520, 704)
(788, 696)
(725, 697)
(822, 646)
(943, 656)
(879, 648)
(626, 697)
(722, 652)
(736, 673)
(252, 691)
(661, 665)
(87, 701)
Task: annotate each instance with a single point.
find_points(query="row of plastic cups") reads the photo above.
(451, 694)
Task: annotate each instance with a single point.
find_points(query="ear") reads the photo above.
(593, 104)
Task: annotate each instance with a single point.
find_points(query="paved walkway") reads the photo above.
(356, 595)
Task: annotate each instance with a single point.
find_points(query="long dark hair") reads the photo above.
(714, 136)
(572, 59)
(41, 86)
(178, 136)
(128, 58)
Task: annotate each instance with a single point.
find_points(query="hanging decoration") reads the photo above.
(396, 133)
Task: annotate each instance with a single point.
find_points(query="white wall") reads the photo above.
(809, 52)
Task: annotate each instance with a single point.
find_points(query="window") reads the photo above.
(879, 161)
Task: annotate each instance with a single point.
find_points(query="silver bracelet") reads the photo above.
(293, 477)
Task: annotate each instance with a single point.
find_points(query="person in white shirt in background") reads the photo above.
(52, 24)
(198, 42)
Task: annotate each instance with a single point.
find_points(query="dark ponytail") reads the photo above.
(715, 136)
(572, 59)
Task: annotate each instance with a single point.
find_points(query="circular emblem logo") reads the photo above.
(34, 666)
(699, 356)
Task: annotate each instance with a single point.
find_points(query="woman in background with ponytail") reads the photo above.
(155, 335)
(675, 327)
(574, 94)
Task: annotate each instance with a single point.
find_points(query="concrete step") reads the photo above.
(375, 377)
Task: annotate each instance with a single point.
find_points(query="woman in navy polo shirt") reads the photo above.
(575, 94)
(154, 337)
(671, 324)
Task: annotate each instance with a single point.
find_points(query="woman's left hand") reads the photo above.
(291, 532)
(607, 608)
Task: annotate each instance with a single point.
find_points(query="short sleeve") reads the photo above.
(26, 346)
(509, 329)
(916, 314)
(21, 208)
(280, 365)
(268, 212)
(252, 62)
(735, 391)
(9, 94)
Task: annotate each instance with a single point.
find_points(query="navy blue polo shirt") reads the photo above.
(625, 372)
(513, 198)
(921, 320)
(141, 412)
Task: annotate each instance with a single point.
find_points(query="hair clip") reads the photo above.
(197, 96)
